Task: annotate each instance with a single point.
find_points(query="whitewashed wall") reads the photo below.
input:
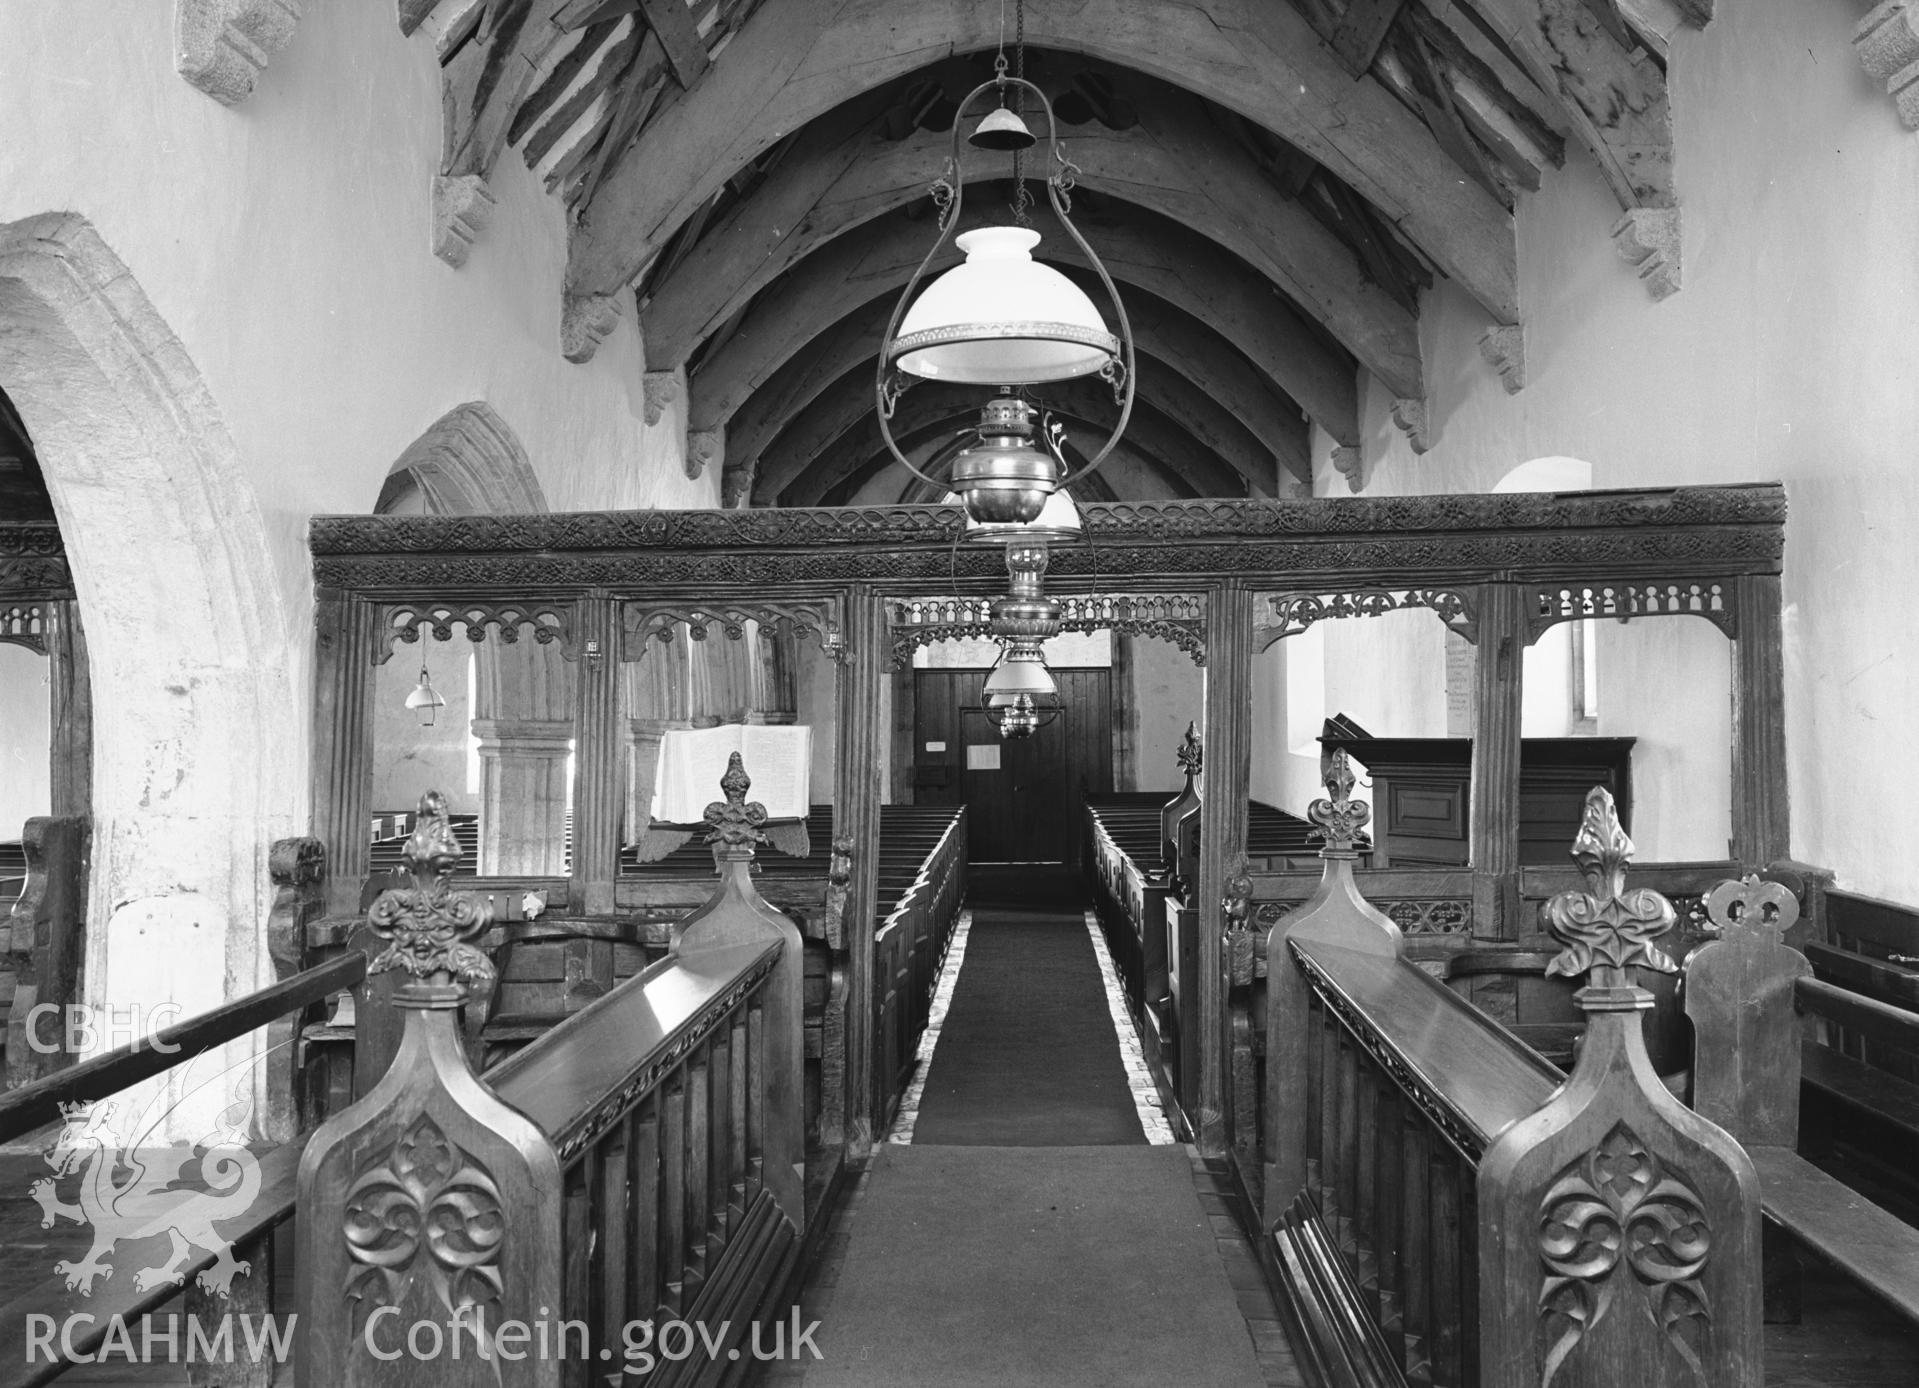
(1787, 356)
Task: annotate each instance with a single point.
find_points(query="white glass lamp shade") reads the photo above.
(1014, 676)
(425, 700)
(1058, 519)
(1002, 318)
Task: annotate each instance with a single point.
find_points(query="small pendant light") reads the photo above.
(425, 699)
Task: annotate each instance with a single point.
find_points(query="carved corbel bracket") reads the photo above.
(663, 388)
(704, 446)
(736, 484)
(1648, 238)
(1414, 421)
(1504, 349)
(1349, 461)
(413, 12)
(222, 46)
(462, 207)
(585, 321)
(1887, 42)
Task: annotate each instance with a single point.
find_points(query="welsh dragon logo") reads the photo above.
(137, 1193)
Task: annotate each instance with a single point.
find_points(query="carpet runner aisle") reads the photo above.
(1029, 1220)
(1028, 1052)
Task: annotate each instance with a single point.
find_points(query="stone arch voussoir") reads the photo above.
(199, 728)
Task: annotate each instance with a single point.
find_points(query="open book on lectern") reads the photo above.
(777, 758)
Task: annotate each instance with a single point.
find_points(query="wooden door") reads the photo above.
(1022, 796)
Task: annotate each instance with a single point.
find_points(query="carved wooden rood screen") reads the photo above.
(1217, 579)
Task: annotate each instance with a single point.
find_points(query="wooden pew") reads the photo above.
(250, 1226)
(13, 871)
(642, 1160)
(1150, 929)
(46, 943)
(1431, 1186)
(1862, 1086)
(1764, 1022)
(922, 880)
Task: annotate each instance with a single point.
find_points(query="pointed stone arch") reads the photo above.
(199, 752)
(468, 462)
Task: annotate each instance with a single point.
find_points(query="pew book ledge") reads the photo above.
(595, 1052)
(1875, 1247)
(1473, 1066)
(1874, 1091)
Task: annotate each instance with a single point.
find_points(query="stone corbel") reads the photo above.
(1413, 421)
(1504, 349)
(736, 484)
(1350, 462)
(1648, 237)
(704, 446)
(585, 320)
(663, 388)
(412, 12)
(221, 46)
(461, 209)
(1887, 42)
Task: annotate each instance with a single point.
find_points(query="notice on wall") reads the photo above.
(936, 746)
(779, 761)
(982, 756)
(1459, 685)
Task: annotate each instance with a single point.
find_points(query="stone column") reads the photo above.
(523, 797)
(1227, 785)
(774, 668)
(1761, 811)
(524, 717)
(653, 689)
(1494, 812)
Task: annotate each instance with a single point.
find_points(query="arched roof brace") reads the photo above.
(1154, 255)
(1176, 162)
(795, 60)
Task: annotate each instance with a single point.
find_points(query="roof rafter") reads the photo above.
(848, 402)
(1158, 256)
(1162, 332)
(797, 59)
(1175, 162)
(1614, 98)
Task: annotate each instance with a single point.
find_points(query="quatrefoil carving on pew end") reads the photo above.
(1620, 1228)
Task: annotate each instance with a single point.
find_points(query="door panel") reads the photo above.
(1023, 796)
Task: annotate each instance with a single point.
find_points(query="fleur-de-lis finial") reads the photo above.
(1341, 817)
(736, 824)
(427, 925)
(1608, 925)
(1191, 755)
